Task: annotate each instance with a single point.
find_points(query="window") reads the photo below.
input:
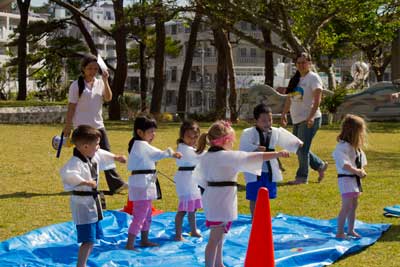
(253, 52)
(171, 98)
(243, 25)
(173, 73)
(253, 27)
(193, 75)
(197, 98)
(207, 52)
(243, 52)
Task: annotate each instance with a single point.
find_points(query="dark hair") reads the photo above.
(86, 60)
(186, 126)
(259, 109)
(85, 134)
(294, 81)
(143, 123)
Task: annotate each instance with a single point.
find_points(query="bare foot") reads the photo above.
(179, 238)
(148, 244)
(341, 236)
(195, 234)
(354, 234)
(130, 247)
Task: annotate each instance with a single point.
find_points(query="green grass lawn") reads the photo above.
(31, 193)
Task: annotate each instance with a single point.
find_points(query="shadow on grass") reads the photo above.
(393, 234)
(25, 194)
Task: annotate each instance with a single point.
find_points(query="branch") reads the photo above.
(78, 12)
(316, 29)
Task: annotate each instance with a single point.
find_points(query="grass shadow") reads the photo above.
(25, 194)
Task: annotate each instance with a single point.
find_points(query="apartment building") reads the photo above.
(9, 20)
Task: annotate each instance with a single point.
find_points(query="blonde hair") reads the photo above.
(354, 131)
(217, 130)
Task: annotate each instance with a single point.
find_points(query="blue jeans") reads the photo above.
(305, 156)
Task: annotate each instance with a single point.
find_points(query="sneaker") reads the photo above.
(321, 172)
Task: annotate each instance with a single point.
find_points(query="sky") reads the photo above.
(38, 2)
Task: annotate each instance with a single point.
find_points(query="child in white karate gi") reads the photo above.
(80, 176)
(142, 182)
(350, 162)
(217, 172)
(263, 137)
(187, 187)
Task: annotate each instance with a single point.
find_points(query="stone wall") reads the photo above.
(34, 115)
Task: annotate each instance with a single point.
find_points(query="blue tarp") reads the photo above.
(298, 241)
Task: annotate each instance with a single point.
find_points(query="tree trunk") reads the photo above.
(23, 7)
(222, 76)
(268, 59)
(331, 75)
(379, 71)
(158, 88)
(121, 70)
(143, 65)
(86, 34)
(395, 64)
(187, 67)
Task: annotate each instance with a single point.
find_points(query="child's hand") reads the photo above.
(361, 173)
(120, 158)
(261, 148)
(283, 154)
(91, 183)
(177, 155)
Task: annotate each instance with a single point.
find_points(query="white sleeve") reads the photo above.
(199, 176)
(71, 176)
(316, 83)
(156, 154)
(363, 159)
(105, 159)
(288, 141)
(246, 142)
(341, 155)
(188, 155)
(73, 93)
(250, 162)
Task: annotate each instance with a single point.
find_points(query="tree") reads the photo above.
(191, 47)
(23, 6)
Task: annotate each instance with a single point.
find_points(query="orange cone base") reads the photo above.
(260, 252)
(128, 208)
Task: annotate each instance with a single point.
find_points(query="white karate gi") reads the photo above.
(187, 187)
(343, 154)
(250, 141)
(220, 203)
(143, 156)
(74, 172)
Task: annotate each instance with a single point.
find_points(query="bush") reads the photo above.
(30, 103)
(330, 103)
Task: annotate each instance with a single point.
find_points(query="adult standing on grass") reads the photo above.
(303, 100)
(85, 97)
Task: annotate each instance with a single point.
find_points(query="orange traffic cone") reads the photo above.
(128, 208)
(260, 252)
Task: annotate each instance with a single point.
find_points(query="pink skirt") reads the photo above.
(226, 225)
(190, 205)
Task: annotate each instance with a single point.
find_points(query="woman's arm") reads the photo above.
(317, 94)
(68, 120)
(107, 93)
(286, 109)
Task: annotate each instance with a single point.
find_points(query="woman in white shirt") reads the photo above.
(85, 97)
(304, 97)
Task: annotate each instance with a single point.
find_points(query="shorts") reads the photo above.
(226, 225)
(89, 232)
(253, 187)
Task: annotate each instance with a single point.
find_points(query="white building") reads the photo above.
(9, 20)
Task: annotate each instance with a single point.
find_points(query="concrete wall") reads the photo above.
(34, 115)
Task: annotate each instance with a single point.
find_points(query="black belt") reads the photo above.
(142, 172)
(85, 193)
(352, 176)
(227, 183)
(186, 168)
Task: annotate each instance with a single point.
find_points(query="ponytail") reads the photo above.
(294, 81)
(81, 85)
(201, 143)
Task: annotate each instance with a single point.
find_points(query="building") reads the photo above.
(9, 21)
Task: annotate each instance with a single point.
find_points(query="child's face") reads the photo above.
(90, 70)
(147, 135)
(88, 150)
(228, 145)
(190, 137)
(264, 121)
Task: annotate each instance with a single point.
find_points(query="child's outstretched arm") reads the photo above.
(120, 158)
(276, 154)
